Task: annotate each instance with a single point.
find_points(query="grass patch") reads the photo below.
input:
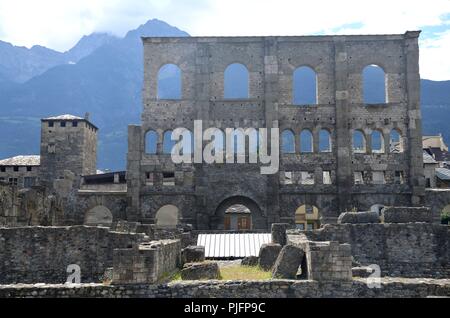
(170, 277)
(240, 272)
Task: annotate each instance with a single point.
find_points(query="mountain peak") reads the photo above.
(155, 27)
(88, 44)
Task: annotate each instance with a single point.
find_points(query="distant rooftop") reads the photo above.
(64, 117)
(427, 158)
(70, 117)
(443, 174)
(434, 142)
(21, 161)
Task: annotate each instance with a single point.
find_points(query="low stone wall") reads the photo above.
(407, 215)
(401, 250)
(156, 233)
(42, 254)
(146, 263)
(325, 261)
(395, 288)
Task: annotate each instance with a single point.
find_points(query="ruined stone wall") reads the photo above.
(401, 250)
(42, 254)
(27, 207)
(146, 263)
(393, 288)
(338, 61)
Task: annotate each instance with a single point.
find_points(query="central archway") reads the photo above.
(238, 213)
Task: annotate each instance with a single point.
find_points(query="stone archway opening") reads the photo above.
(167, 216)
(238, 213)
(307, 217)
(98, 216)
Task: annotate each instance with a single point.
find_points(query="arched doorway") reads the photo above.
(167, 216)
(237, 214)
(98, 215)
(307, 217)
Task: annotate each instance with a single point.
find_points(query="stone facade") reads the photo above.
(202, 192)
(20, 171)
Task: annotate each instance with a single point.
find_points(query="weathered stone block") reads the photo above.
(359, 217)
(193, 254)
(407, 215)
(279, 235)
(250, 261)
(288, 262)
(268, 255)
(198, 271)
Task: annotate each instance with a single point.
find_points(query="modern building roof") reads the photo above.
(428, 159)
(443, 174)
(21, 161)
(232, 245)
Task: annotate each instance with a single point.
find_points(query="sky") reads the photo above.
(59, 24)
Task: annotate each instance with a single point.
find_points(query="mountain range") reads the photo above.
(102, 74)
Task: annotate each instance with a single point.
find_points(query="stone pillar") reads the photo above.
(344, 180)
(416, 177)
(271, 97)
(133, 172)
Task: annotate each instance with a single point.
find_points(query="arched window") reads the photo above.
(395, 142)
(306, 141)
(169, 82)
(324, 141)
(236, 82)
(377, 142)
(98, 215)
(307, 217)
(304, 86)
(374, 85)
(167, 216)
(151, 142)
(288, 141)
(359, 142)
(168, 143)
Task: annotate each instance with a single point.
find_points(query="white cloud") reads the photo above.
(435, 57)
(60, 23)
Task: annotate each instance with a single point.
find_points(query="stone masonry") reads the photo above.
(203, 192)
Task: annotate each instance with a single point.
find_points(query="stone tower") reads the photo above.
(67, 143)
